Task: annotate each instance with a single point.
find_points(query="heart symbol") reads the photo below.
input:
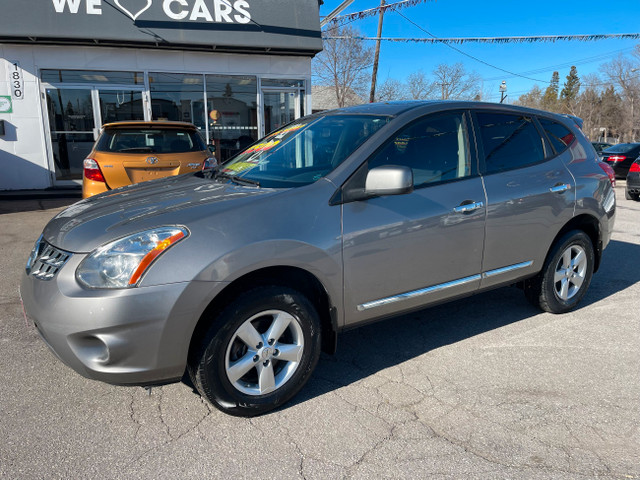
(138, 13)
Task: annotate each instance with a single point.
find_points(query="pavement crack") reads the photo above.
(172, 439)
(133, 415)
(161, 414)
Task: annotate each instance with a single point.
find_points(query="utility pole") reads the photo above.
(374, 75)
(445, 94)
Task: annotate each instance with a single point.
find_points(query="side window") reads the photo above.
(509, 141)
(559, 135)
(434, 147)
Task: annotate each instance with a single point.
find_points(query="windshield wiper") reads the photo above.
(236, 179)
(137, 149)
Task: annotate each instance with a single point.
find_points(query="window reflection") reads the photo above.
(71, 122)
(92, 76)
(121, 105)
(177, 97)
(282, 82)
(232, 113)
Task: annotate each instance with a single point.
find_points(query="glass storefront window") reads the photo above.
(120, 105)
(232, 113)
(279, 82)
(177, 97)
(92, 76)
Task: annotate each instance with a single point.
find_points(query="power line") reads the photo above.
(510, 39)
(577, 62)
(466, 54)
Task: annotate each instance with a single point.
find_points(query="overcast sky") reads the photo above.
(474, 18)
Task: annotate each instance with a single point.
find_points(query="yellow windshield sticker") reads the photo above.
(284, 131)
(240, 167)
(262, 147)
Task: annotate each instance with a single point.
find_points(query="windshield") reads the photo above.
(153, 140)
(304, 151)
(622, 148)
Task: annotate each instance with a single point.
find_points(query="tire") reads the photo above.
(630, 196)
(566, 274)
(236, 367)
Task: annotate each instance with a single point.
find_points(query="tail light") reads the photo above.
(635, 167)
(609, 171)
(92, 170)
(617, 158)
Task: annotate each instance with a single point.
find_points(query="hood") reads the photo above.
(180, 200)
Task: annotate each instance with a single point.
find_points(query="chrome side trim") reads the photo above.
(442, 286)
(510, 268)
(417, 293)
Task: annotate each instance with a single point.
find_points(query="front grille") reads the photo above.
(48, 262)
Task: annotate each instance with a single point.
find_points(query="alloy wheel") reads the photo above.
(570, 272)
(264, 352)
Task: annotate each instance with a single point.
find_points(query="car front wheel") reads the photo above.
(566, 275)
(259, 352)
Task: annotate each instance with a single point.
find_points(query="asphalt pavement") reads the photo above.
(486, 387)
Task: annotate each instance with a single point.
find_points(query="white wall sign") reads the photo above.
(5, 104)
(16, 81)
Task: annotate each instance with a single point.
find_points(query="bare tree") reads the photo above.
(453, 82)
(532, 99)
(419, 86)
(391, 89)
(343, 64)
(623, 75)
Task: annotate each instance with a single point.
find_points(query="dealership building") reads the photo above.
(237, 69)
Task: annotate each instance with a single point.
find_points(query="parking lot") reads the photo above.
(486, 387)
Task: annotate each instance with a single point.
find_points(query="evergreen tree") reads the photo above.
(550, 98)
(571, 88)
(611, 111)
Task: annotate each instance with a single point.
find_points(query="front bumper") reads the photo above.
(137, 336)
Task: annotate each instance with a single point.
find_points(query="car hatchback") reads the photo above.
(133, 152)
(242, 274)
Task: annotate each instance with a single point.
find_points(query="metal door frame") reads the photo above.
(264, 90)
(97, 114)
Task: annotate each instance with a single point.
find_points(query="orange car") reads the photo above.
(133, 152)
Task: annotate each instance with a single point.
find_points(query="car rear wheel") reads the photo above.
(566, 275)
(259, 352)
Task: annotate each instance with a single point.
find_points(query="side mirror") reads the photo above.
(389, 180)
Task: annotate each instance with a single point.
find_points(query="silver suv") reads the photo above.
(241, 275)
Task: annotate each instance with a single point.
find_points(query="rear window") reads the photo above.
(559, 135)
(153, 140)
(622, 148)
(510, 141)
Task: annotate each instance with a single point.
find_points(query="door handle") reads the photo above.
(468, 207)
(561, 188)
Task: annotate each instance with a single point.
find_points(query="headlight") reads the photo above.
(122, 263)
(34, 254)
